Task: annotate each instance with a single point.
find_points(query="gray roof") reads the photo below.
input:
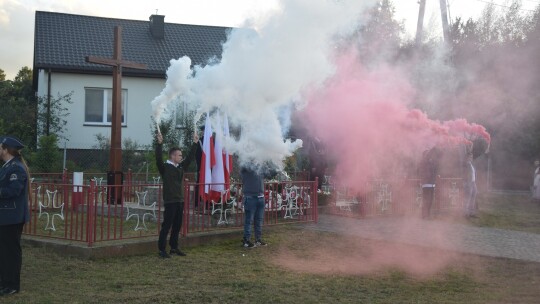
(62, 41)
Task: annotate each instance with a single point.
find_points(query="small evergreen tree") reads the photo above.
(132, 156)
(104, 147)
(48, 157)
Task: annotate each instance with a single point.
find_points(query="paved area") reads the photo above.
(437, 234)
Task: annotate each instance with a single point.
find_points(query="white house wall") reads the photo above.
(140, 91)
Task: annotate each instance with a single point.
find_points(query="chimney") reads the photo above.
(157, 26)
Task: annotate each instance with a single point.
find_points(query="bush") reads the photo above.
(324, 199)
(47, 158)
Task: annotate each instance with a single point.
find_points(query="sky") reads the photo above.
(17, 17)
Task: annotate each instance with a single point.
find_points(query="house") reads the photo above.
(62, 42)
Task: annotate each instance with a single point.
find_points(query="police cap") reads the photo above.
(11, 141)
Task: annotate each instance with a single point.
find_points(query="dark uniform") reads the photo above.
(14, 212)
(428, 175)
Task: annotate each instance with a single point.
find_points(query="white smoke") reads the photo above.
(177, 73)
(263, 73)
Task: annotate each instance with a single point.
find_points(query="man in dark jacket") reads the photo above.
(428, 174)
(172, 174)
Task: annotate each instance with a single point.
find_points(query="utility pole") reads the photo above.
(420, 24)
(444, 19)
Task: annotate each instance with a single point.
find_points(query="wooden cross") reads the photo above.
(115, 163)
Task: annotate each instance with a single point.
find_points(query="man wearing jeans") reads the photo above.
(253, 190)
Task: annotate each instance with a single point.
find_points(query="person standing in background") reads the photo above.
(14, 213)
(428, 174)
(470, 187)
(536, 181)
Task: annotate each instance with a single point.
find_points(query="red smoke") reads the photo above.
(365, 257)
(472, 131)
(363, 117)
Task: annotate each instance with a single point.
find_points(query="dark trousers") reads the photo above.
(427, 200)
(11, 255)
(172, 221)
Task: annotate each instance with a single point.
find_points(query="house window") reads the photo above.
(98, 106)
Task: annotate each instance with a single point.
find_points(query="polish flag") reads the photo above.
(227, 158)
(218, 177)
(207, 161)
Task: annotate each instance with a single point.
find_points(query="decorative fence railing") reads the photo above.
(285, 202)
(394, 197)
(97, 212)
(66, 177)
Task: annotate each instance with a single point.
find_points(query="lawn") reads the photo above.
(510, 211)
(299, 266)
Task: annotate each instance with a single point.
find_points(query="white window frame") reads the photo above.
(106, 93)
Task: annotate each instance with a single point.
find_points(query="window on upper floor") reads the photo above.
(98, 106)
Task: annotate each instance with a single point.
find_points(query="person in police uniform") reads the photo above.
(14, 213)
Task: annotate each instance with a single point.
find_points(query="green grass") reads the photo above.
(513, 212)
(290, 270)
(299, 266)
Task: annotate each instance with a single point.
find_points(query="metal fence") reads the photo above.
(97, 212)
(90, 213)
(395, 197)
(285, 202)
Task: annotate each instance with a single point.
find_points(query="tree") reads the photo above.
(18, 115)
(104, 147)
(380, 37)
(174, 137)
(533, 36)
(487, 30)
(51, 117)
(132, 156)
(2, 75)
(513, 25)
(465, 35)
(23, 83)
(188, 129)
(47, 158)
(171, 135)
(487, 53)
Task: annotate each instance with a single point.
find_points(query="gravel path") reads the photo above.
(437, 234)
